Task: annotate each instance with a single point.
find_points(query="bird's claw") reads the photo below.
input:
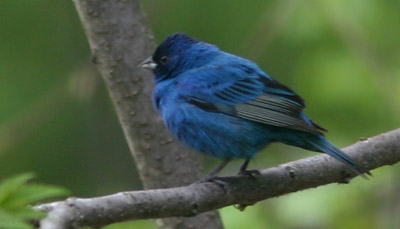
(214, 179)
(250, 173)
(205, 179)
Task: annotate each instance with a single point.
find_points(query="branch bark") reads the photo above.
(191, 200)
(119, 39)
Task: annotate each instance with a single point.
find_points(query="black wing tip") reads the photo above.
(276, 84)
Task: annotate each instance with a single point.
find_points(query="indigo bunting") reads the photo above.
(227, 107)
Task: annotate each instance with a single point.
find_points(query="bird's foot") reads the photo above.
(209, 178)
(214, 179)
(244, 171)
(250, 173)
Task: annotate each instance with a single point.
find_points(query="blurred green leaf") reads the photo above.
(17, 193)
(34, 193)
(11, 185)
(8, 221)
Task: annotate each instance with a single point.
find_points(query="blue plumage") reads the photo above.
(226, 106)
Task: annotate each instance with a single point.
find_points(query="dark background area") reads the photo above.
(342, 57)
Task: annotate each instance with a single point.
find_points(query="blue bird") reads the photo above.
(227, 107)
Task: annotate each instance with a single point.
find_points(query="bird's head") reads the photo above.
(176, 54)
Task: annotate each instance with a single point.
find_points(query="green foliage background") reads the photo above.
(343, 57)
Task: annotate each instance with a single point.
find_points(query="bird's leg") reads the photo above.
(214, 173)
(243, 169)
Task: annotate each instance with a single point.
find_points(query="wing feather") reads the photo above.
(252, 97)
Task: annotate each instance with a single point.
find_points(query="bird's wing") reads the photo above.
(245, 94)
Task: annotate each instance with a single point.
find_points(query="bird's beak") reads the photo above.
(148, 64)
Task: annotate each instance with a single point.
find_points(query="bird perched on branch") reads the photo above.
(227, 107)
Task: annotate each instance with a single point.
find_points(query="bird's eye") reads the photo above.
(164, 60)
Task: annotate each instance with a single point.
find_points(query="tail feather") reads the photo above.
(325, 146)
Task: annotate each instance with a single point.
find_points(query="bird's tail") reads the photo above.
(325, 146)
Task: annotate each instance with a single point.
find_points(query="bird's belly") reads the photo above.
(217, 134)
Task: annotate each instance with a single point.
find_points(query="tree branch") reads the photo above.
(191, 200)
